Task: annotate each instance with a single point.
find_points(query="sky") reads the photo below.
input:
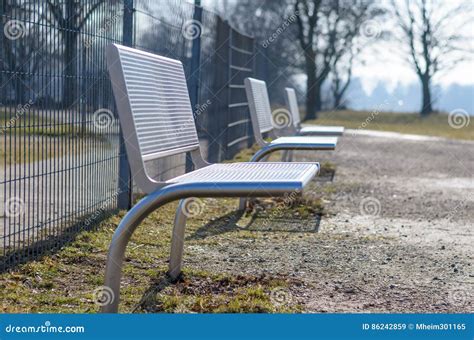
(383, 67)
(381, 75)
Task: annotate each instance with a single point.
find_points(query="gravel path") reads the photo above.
(397, 237)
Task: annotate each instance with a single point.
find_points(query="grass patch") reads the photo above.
(29, 138)
(67, 281)
(200, 292)
(433, 125)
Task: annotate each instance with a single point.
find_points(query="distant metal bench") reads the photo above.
(157, 121)
(313, 130)
(261, 117)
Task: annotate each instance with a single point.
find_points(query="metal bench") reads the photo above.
(312, 130)
(261, 117)
(157, 121)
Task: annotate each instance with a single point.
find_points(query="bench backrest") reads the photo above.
(259, 105)
(153, 105)
(292, 103)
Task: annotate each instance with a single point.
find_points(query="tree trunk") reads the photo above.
(426, 107)
(312, 91)
(317, 96)
(69, 56)
(337, 100)
(70, 63)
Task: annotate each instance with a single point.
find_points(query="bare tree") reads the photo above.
(341, 73)
(327, 30)
(70, 16)
(432, 40)
(272, 24)
(23, 55)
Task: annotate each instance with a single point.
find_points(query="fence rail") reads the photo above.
(64, 166)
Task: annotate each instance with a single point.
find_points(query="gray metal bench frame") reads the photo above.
(157, 121)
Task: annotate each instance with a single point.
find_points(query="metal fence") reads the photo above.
(64, 166)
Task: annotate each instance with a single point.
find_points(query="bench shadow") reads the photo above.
(267, 223)
(258, 221)
(148, 301)
(221, 225)
(326, 175)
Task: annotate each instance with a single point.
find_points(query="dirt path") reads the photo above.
(398, 236)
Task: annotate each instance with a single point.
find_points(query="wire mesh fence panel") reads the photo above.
(241, 66)
(59, 136)
(63, 162)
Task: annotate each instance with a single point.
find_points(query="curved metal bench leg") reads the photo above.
(290, 156)
(177, 242)
(242, 203)
(113, 270)
(260, 155)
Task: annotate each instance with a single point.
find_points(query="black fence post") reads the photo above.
(217, 124)
(124, 199)
(195, 70)
(251, 139)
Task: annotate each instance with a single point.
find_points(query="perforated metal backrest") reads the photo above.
(259, 104)
(292, 104)
(153, 103)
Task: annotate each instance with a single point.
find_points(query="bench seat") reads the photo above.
(320, 130)
(253, 173)
(312, 143)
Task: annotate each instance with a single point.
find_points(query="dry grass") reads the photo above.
(434, 125)
(66, 282)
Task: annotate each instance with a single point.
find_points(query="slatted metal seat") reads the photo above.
(312, 130)
(157, 121)
(255, 174)
(324, 143)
